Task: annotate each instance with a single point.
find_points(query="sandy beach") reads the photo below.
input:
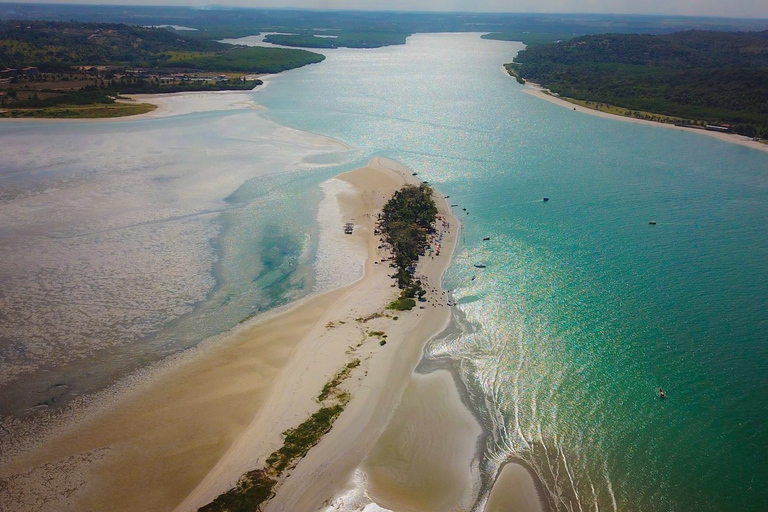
(178, 440)
(376, 385)
(536, 90)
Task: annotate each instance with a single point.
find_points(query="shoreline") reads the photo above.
(538, 91)
(183, 425)
(375, 387)
(164, 107)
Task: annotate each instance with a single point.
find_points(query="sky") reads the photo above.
(726, 8)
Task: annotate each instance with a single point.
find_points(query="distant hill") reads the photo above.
(718, 77)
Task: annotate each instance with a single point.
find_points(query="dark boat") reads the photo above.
(652, 223)
(447, 197)
(662, 394)
(479, 265)
(546, 199)
(486, 239)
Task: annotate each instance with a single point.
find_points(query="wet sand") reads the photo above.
(513, 491)
(190, 431)
(425, 459)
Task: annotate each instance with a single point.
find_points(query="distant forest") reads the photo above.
(53, 46)
(366, 29)
(719, 77)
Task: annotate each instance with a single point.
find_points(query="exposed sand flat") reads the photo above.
(376, 386)
(536, 90)
(422, 462)
(513, 491)
(151, 449)
(220, 411)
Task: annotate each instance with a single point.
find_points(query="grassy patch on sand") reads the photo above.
(97, 111)
(331, 388)
(256, 487)
(402, 304)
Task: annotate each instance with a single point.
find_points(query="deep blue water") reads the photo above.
(584, 309)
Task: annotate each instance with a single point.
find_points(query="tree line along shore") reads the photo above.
(699, 79)
(69, 69)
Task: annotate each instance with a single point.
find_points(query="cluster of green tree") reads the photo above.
(60, 45)
(86, 96)
(339, 40)
(716, 77)
(148, 86)
(56, 45)
(407, 219)
(256, 59)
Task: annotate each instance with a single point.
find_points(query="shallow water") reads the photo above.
(584, 309)
(126, 242)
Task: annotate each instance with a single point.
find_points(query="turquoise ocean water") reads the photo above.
(584, 309)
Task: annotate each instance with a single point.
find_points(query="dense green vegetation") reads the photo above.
(81, 64)
(148, 86)
(340, 39)
(402, 304)
(256, 59)
(85, 96)
(712, 77)
(57, 46)
(406, 220)
(299, 440)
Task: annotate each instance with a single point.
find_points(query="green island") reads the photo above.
(338, 39)
(705, 79)
(79, 70)
(406, 221)
(256, 487)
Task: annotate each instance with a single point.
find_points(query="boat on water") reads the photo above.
(546, 199)
(662, 394)
(486, 239)
(652, 223)
(479, 265)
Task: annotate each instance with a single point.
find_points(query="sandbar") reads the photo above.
(179, 439)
